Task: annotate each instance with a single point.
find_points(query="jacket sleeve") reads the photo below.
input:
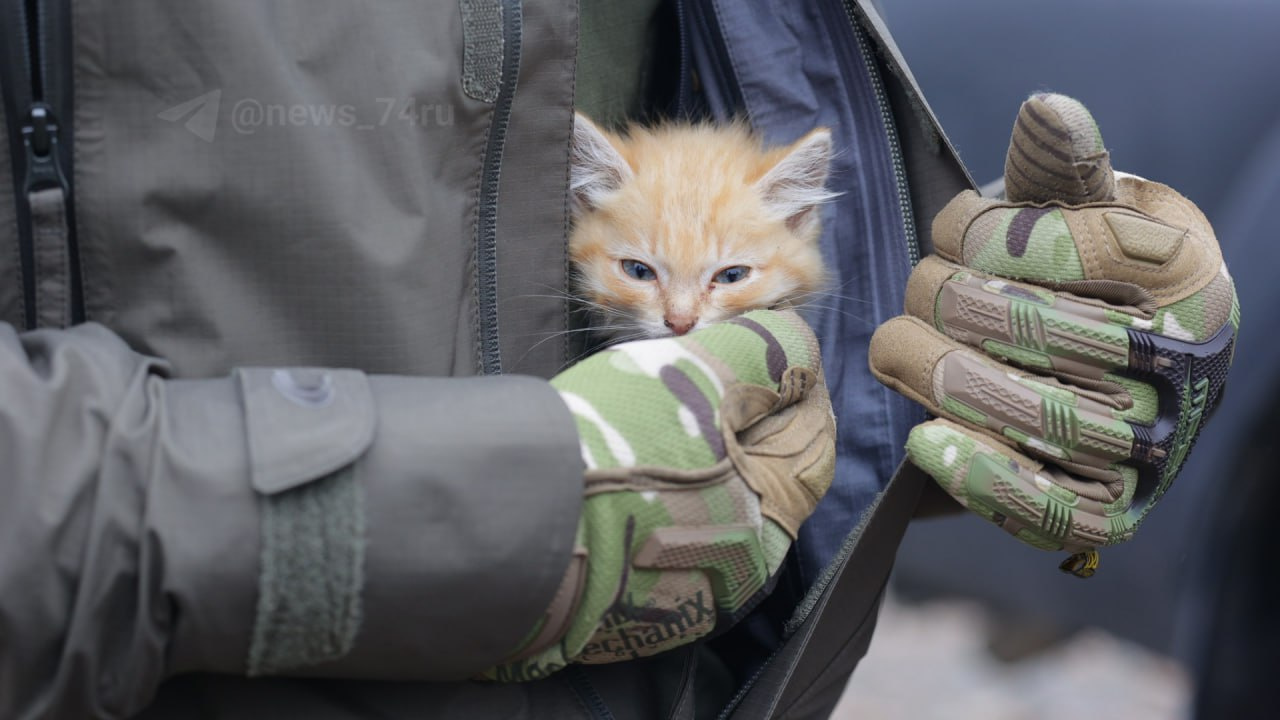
(294, 521)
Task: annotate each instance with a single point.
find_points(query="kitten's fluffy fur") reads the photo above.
(660, 215)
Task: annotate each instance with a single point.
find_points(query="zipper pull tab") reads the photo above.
(1082, 564)
(40, 137)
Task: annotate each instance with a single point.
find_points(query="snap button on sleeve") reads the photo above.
(304, 423)
(306, 387)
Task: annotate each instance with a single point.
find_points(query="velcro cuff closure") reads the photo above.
(304, 423)
(306, 428)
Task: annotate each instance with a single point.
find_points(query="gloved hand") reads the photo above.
(1122, 323)
(704, 455)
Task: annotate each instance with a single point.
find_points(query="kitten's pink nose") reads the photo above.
(680, 324)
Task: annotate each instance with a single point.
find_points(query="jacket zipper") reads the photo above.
(895, 149)
(35, 99)
(490, 348)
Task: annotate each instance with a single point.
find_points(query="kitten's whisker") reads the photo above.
(553, 288)
(582, 304)
(619, 339)
(557, 293)
(829, 294)
(525, 354)
(552, 335)
(538, 295)
(593, 350)
(577, 330)
(846, 282)
(635, 334)
(623, 341)
(562, 296)
(559, 333)
(836, 310)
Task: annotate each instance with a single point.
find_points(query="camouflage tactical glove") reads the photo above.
(704, 455)
(1122, 325)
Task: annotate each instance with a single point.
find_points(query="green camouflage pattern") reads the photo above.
(676, 539)
(1146, 401)
(1089, 433)
(1042, 507)
(1066, 413)
(1193, 319)
(1024, 244)
(681, 379)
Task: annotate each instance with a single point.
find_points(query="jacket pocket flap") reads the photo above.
(304, 423)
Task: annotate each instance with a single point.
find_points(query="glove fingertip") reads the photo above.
(925, 284)
(952, 222)
(1056, 153)
(903, 353)
(942, 451)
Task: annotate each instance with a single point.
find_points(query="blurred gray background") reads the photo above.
(1186, 92)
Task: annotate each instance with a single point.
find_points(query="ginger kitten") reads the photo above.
(679, 226)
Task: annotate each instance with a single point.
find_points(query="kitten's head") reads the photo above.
(680, 226)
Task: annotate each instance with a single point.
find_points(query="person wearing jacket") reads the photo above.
(277, 433)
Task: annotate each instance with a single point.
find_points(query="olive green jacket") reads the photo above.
(254, 260)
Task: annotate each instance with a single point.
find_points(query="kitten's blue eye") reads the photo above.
(732, 274)
(638, 270)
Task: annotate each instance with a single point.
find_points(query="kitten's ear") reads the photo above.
(795, 187)
(596, 167)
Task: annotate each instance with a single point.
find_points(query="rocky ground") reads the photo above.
(931, 661)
